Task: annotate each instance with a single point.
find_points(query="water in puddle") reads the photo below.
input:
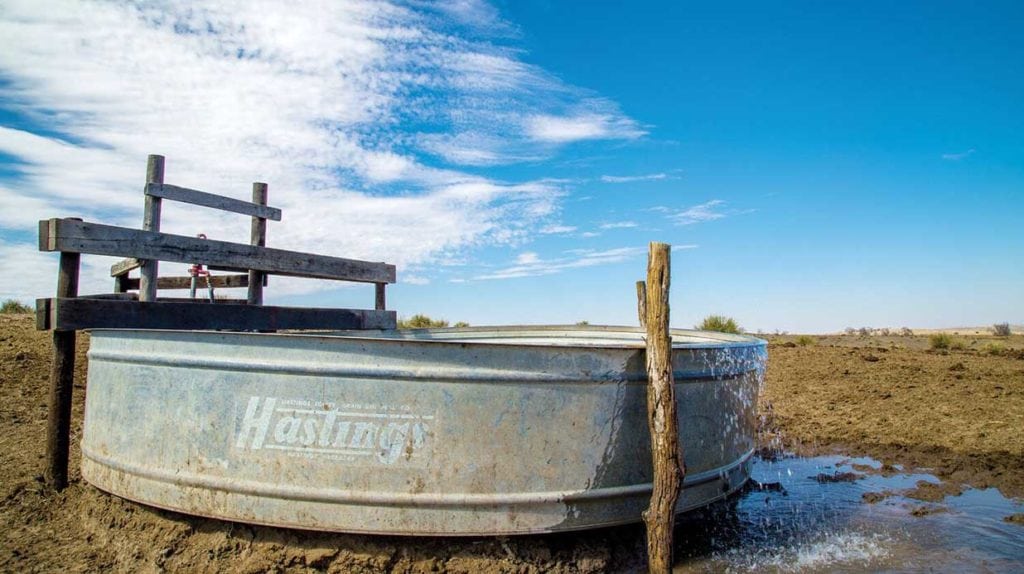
(803, 523)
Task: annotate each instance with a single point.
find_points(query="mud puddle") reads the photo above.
(836, 514)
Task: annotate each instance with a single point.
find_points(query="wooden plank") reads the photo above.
(196, 197)
(122, 267)
(112, 296)
(228, 269)
(78, 313)
(662, 415)
(135, 297)
(62, 381)
(258, 237)
(641, 303)
(44, 235)
(185, 282)
(151, 222)
(43, 314)
(121, 283)
(380, 296)
(97, 239)
(204, 301)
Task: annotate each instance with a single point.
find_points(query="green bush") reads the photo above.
(993, 349)
(461, 324)
(419, 321)
(804, 340)
(720, 323)
(12, 306)
(940, 340)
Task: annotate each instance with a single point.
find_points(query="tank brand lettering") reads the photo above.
(383, 433)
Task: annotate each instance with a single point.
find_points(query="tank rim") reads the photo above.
(450, 336)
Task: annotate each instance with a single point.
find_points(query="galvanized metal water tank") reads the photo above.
(455, 431)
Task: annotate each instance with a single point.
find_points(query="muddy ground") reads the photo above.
(958, 413)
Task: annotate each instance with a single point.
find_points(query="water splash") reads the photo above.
(796, 522)
(833, 551)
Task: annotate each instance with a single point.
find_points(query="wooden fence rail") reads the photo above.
(196, 197)
(144, 249)
(79, 313)
(71, 236)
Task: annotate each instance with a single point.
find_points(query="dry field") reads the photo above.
(958, 412)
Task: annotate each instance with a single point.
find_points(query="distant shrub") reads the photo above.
(583, 323)
(993, 349)
(906, 332)
(940, 340)
(11, 306)
(864, 331)
(1001, 329)
(804, 340)
(720, 323)
(884, 332)
(957, 345)
(421, 322)
(850, 331)
(461, 324)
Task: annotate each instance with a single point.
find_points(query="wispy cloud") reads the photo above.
(708, 211)
(596, 120)
(532, 265)
(633, 178)
(958, 156)
(322, 100)
(527, 258)
(557, 229)
(619, 225)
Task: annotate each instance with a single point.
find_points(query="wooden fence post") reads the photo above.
(662, 418)
(62, 381)
(151, 222)
(380, 296)
(258, 236)
(641, 303)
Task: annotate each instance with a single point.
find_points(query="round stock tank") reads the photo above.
(472, 431)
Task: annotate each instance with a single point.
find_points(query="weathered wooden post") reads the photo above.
(641, 302)
(662, 419)
(151, 222)
(62, 381)
(380, 301)
(258, 237)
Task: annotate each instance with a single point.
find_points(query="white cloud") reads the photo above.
(527, 258)
(315, 98)
(958, 156)
(707, 211)
(593, 120)
(619, 225)
(589, 234)
(557, 229)
(532, 265)
(633, 178)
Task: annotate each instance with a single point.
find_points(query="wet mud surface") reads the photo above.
(956, 413)
(908, 409)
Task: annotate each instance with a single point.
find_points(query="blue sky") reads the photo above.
(815, 165)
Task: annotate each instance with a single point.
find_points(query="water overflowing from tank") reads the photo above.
(810, 515)
(814, 515)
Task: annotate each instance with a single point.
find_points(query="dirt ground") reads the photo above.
(959, 413)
